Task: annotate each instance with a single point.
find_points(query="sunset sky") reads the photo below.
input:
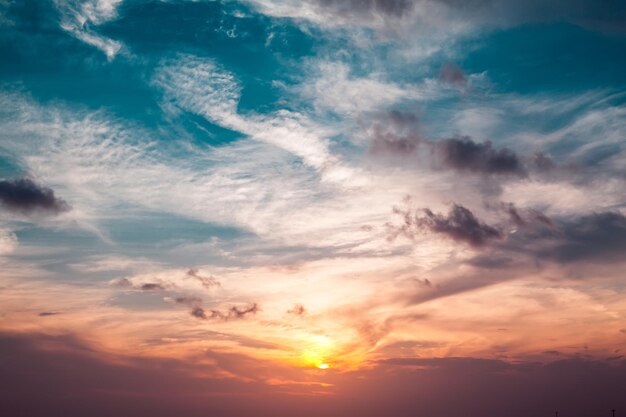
(315, 208)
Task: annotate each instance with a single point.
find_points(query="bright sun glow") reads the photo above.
(318, 352)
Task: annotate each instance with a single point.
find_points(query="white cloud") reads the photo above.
(334, 89)
(200, 86)
(78, 18)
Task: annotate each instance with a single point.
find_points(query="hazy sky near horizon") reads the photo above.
(323, 207)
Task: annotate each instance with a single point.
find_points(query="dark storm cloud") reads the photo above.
(463, 154)
(25, 196)
(595, 237)
(459, 224)
(598, 238)
(206, 281)
(519, 239)
(232, 313)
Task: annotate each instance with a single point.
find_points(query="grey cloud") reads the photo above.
(463, 154)
(526, 218)
(403, 119)
(206, 281)
(190, 300)
(397, 134)
(232, 313)
(491, 261)
(48, 313)
(198, 312)
(459, 224)
(594, 238)
(392, 144)
(541, 162)
(152, 286)
(147, 286)
(452, 74)
(599, 237)
(25, 196)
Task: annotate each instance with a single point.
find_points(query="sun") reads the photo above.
(317, 354)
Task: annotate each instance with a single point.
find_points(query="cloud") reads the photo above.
(463, 154)
(151, 286)
(599, 237)
(596, 237)
(388, 143)
(140, 284)
(207, 282)
(199, 313)
(8, 242)
(200, 86)
(398, 134)
(190, 300)
(233, 313)
(104, 385)
(71, 378)
(79, 17)
(333, 88)
(121, 283)
(297, 310)
(48, 313)
(452, 74)
(453, 17)
(386, 7)
(25, 196)
(459, 224)
(331, 13)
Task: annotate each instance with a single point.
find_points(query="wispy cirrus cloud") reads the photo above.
(198, 85)
(80, 17)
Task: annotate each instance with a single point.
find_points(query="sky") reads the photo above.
(321, 208)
